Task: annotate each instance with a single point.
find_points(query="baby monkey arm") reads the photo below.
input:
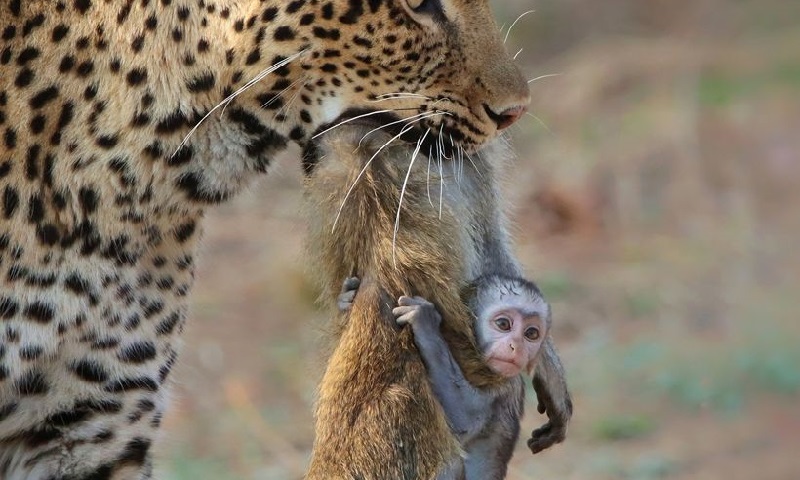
(467, 409)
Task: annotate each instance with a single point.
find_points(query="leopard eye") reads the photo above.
(503, 324)
(415, 4)
(532, 333)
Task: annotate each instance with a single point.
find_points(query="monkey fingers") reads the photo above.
(546, 436)
(406, 301)
(405, 315)
(417, 312)
(351, 283)
(348, 293)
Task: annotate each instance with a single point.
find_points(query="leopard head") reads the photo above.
(427, 69)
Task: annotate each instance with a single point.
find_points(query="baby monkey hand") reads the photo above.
(417, 312)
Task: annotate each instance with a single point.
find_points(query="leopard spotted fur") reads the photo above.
(104, 179)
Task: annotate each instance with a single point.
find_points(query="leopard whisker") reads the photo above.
(428, 177)
(459, 154)
(540, 121)
(454, 158)
(351, 119)
(441, 143)
(541, 77)
(469, 157)
(403, 192)
(263, 74)
(517, 54)
(506, 139)
(286, 106)
(515, 22)
(364, 169)
(441, 171)
(422, 116)
(391, 96)
(441, 181)
(249, 84)
(280, 94)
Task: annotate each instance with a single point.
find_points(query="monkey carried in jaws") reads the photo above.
(512, 321)
(409, 225)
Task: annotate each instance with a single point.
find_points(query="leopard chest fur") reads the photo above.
(102, 198)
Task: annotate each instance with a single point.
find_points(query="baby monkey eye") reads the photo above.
(503, 323)
(532, 333)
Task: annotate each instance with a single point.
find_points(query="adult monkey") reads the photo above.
(104, 180)
(377, 417)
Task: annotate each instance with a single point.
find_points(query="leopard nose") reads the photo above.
(506, 117)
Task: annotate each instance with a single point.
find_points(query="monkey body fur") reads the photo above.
(377, 417)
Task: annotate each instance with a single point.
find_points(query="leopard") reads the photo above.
(122, 122)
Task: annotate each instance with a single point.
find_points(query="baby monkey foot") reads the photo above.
(348, 293)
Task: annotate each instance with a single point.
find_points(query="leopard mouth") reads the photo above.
(435, 140)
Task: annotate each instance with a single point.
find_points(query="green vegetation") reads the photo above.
(623, 427)
(189, 468)
(719, 376)
(555, 286)
(722, 89)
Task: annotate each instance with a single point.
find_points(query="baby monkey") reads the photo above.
(512, 319)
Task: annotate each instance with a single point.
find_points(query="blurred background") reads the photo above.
(657, 203)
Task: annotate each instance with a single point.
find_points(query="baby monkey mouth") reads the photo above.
(504, 366)
(434, 140)
(510, 361)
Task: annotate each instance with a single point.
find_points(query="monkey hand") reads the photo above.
(417, 312)
(558, 414)
(348, 293)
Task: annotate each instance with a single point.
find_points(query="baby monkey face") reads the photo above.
(512, 340)
(511, 326)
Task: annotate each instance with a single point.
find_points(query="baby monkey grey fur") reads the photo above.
(486, 422)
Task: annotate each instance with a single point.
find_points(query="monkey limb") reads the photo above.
(376, 416)
(348, 293)
(486, 422)
(467, 409)
(550, 385)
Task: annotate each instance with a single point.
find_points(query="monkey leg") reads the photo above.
(376, 417)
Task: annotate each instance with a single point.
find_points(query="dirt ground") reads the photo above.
(655, 201)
